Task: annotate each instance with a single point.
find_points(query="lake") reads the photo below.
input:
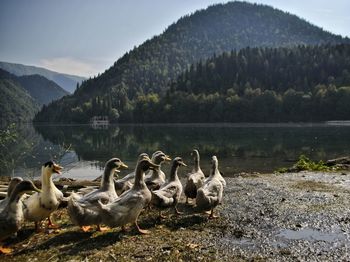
(83, 149)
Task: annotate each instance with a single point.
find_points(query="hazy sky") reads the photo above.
(85, 37)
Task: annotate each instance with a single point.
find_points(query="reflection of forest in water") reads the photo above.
(239, 148)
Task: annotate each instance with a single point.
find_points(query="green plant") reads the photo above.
(305, 164)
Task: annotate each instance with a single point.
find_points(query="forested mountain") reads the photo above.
(67, 82)
(41, 89)
(22, 97)
(16, 104)
(147, 70)
(259, 85)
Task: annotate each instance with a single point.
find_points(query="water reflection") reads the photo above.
(263, 148)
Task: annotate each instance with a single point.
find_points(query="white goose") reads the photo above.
(41, 205)
(195, 179)
(156, 177)
(11, 217)
(127, 208)
(170, 192)
(124, 184)
(82, 210)
(210, 195)
(14, 181)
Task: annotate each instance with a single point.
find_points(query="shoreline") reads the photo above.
(293, 216)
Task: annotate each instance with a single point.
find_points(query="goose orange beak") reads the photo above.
(123, 166)
(57, 168)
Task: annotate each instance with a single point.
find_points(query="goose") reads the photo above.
(169, 194)
(127, 208)
(14, 181)
(195, 179)
(210, 195)
(123, 184)
(82, 210)
(156, 177)
(11, 217)
(41, 205)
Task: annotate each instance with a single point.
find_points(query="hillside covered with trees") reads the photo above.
(41, 89)
(145, 72)
(67, 82)
(22, 97)
(258, 85)
(16, 104)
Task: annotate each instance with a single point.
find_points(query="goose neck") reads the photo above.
(46, 181)
(139, 178)
(107, 179)
(173, 172)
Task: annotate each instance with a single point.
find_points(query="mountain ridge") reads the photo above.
(67, 81)
(149, 67)
(16, 104)
(23, 96)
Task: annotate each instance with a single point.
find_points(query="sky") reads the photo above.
(85, 37)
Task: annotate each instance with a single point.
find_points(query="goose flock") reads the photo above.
(117, 202)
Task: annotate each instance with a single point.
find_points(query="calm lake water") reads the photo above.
(83, 150)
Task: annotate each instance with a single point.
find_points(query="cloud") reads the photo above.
(70, 65)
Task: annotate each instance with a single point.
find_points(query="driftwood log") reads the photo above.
(339, 161)
(66, 185)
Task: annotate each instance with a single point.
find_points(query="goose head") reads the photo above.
(160, 158)
(14, 181)
(195, 153)
(51, 167)
(144, 155)
(214, 164)
(155, 154)
(146, 163)
(114, 164)
(178, 162)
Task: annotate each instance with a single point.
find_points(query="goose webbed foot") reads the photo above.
(85, 228)
(50, 224)
(102, 229)
(161, 216)
(212, 216)
(177, 212)
(141, 231)
(37, 227)
(5, 250)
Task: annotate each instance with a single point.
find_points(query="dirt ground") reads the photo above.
(264, 217)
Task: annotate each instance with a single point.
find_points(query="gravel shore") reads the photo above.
(264, 217)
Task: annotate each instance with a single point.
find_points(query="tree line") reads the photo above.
(250, 85)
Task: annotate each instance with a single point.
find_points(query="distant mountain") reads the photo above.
(25, 95)
(41, 89)
(16, 104)
(67, 82)
(149, 68)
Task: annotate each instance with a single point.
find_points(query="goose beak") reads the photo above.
(167, 158)
(122, 165)
(182, 163)
(57, 168)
